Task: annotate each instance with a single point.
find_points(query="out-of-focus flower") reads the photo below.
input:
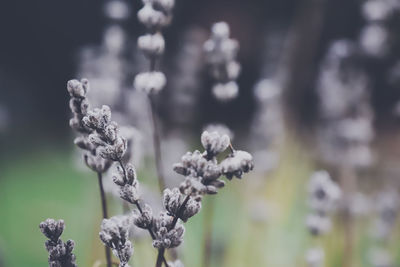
(221, 53)
(323, 192)
(315, 257)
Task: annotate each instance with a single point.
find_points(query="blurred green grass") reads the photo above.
(46, 183)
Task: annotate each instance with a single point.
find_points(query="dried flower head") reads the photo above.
(114, 234)
(236, 164)
(165, 237)
(60, 253)
(214, 143)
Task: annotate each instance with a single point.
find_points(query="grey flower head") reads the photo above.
(98, 119)
(164, 236)
(152, 45)
(236, 164)
(214, 143)
(318, 224)
(105, 137)
(323, 192)
(114, 234)
(173, 200)
(315, 257)
(143, 219)
(156, 13)
(221, 53)
(60, 253)
(150, 82)
(52, 229)
(78, 103)
(128, 183)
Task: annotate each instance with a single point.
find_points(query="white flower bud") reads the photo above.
(152, 44)
(150, 82)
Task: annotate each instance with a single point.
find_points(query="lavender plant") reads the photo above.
(60, 253)
(221, 54)
(92, 152)
(202, 172)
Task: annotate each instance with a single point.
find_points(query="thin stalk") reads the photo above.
(105, 216)
(137, 204)
(208, 227)
(157, 145)
(348, 184)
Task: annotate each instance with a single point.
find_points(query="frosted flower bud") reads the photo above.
(150, 82)
(318, 224)
(52, 229)
(78, 88)
(114, 234)
(220, 30)
(236, 164)
(130, 193)
(60, 253)
(143, 220)
(165, 238)
(152, 44)
(130, 173)
(111, 132)
(172, 200)
(214, 143)
(315, 257)
(225, 91)
(220, 128)
(98, 118)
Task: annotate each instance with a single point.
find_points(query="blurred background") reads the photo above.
(318, 89)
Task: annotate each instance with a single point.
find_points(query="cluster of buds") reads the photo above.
(80, 108)
(166, 232)
(114, 234)
(105, 136)
(221, 52)
(324, 195)
(202, 170)
(128, 184)
(60, 253)
(155, 14)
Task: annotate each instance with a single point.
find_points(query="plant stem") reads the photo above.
(105, 216)
(348, 183)
(157, 145)
(208, 227)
